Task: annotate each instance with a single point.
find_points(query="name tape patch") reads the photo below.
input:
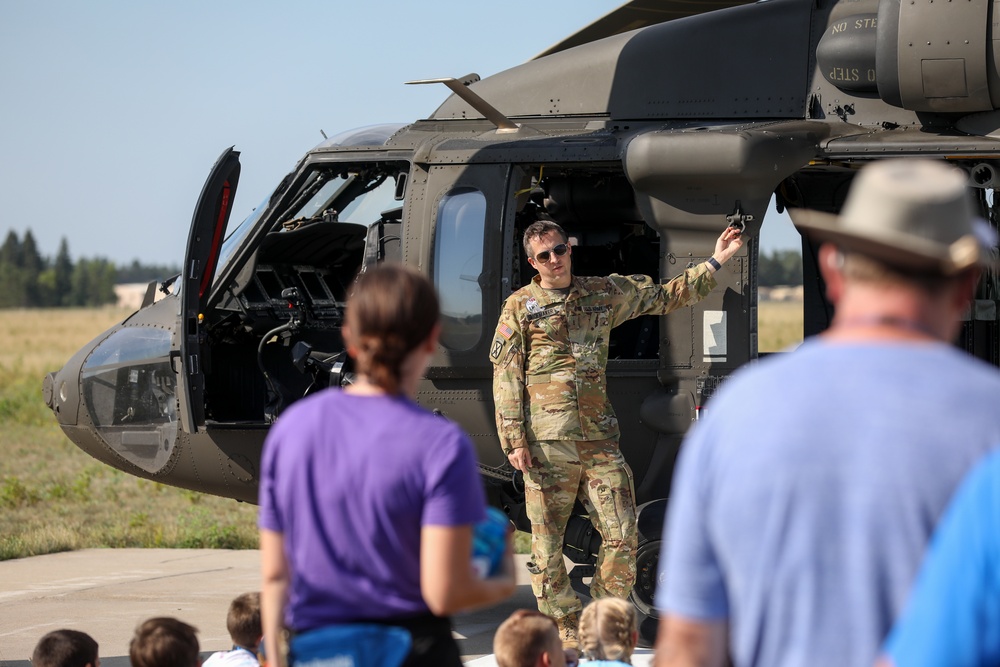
(542, 313)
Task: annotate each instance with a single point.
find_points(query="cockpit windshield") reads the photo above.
(327, 192)
(235, 238)
(345, 195)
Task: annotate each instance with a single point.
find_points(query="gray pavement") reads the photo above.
(107, 592)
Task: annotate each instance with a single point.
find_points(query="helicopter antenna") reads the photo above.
(461, 88)
(323, 133)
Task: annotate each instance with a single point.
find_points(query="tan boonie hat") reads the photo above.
(915, 215)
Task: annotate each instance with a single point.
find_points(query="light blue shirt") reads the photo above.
(804, 498)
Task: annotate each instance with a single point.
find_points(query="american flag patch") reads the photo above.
(505, 331)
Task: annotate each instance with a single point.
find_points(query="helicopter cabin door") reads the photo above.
(460, 223)
(208, 230)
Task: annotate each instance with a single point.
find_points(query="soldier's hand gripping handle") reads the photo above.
(727, 245)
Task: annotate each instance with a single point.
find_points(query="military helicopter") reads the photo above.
(644, 134)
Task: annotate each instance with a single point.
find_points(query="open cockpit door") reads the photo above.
(208, 230)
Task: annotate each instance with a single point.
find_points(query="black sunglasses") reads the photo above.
(544, 255)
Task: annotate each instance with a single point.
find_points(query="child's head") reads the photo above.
(164, 642)
(528, 639)
(65, 648)
(608, 630)
(243, 621)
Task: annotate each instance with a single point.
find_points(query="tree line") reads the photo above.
(30, 280)
(781, 267)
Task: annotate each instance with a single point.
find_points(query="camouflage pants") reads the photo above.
(595, 472)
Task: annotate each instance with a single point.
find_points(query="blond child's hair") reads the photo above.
(608, 629)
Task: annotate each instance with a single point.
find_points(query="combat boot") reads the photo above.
(568, 630)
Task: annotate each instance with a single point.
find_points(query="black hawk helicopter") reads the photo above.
(643, 135)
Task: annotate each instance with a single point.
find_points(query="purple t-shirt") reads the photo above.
(350, 480)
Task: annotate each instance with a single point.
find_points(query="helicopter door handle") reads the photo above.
(192, 364)
(173, 357)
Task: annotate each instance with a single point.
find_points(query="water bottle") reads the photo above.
(489, 542)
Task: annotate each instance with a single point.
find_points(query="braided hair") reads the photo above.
(607, 630)
(391, 311)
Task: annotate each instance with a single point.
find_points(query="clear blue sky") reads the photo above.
(113, 112)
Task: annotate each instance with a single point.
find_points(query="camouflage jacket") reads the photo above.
(550, 351)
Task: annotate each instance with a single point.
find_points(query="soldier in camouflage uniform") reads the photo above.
(554, 419)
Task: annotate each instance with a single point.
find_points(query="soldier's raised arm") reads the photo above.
(641, 295)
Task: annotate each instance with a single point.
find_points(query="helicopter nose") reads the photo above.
(48, 390)
(56, 394)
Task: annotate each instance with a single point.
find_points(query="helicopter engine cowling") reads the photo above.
(940, 57)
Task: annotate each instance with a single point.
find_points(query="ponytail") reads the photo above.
(391, 311)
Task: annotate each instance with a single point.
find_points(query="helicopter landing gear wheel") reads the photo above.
(647, 561)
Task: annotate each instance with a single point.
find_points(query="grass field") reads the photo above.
(779, 325)
(53, 497)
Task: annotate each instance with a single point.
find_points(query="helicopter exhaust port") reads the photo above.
(983, 176)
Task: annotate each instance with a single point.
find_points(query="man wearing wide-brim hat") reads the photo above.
(803, 500)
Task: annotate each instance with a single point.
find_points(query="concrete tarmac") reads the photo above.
(107, 592)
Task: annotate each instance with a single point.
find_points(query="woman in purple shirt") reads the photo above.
(367, 500)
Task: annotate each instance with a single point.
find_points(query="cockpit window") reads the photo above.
(458, 265)
(345, 194)
(370, 135)
(235, 238)
(129, 345)
(368, 208)
(318, 202)
(130, 390)
(359, 198)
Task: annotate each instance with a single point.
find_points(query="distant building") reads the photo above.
(780, 293)
(129, 295)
